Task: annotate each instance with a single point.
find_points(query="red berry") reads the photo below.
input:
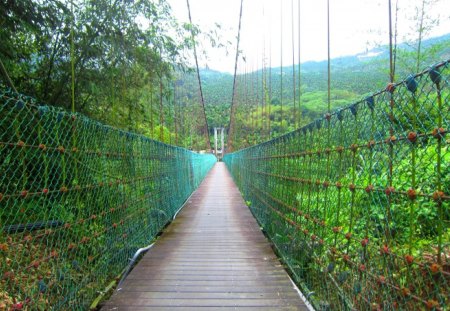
(390, 190)
(45, 191)
(412, 194)
(412, 137)
(390, 87)
(24, 193)
(352, 187)
(384, 250)
(438, 132)
(435, 268)
(337, 229)
(409, 259)
(35, 264)
(339, 149)
(364, 242)
(391, 139)
(348, 235)
(438, 196)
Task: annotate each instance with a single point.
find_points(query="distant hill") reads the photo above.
(351, 77)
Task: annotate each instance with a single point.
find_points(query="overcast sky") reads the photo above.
(356, 25)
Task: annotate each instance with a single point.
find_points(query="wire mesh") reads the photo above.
(77, 199)
(357, 202)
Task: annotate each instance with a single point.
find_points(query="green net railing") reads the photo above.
(77, 199)
(357, 203)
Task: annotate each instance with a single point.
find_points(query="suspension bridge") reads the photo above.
(348, 212)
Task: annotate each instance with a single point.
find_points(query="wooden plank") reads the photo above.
(200, 295)
(198, 308)
(212, 257)
(189, 302)
(228, 288)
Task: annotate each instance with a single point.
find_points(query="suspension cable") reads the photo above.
(395, 39)
(72, 57)
(391, 63)
(328, 59)
(208, 142)
(299, 69)
(281, 69)
(263, 76)
(293, 64)
(233, 106)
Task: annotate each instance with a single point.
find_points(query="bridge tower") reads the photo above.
(219, 152)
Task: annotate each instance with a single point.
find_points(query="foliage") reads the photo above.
(357, 201)
(349, 80)
(77, 199)
(125, 58)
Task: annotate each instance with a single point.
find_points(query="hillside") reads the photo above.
(351, 77)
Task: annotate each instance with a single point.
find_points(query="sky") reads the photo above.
(270, 28)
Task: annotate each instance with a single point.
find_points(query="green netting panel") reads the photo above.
(358, 202)
(77, 199)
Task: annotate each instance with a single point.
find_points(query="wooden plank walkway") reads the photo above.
(213, 256)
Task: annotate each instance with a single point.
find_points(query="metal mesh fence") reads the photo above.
(357, 203)
(77, 199)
